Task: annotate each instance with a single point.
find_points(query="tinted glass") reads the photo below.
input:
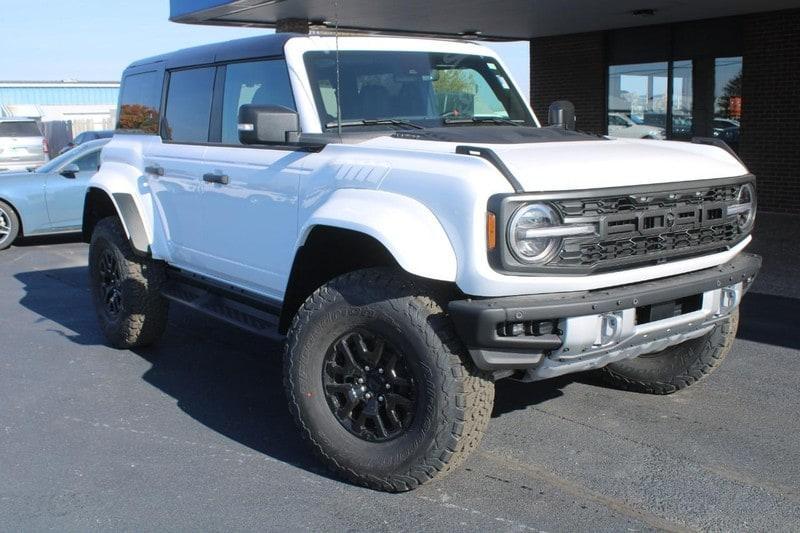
(19, 129)
(258, 82)
(682, 123)
(138, 103)
(431, 89)
(89, 162)
(57, 162)
(728, 99)
(188, 107)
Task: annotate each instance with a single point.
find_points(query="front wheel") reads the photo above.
(125, 288)
(678, 366)
(380, 385)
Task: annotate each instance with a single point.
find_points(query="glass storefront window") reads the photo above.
(728, 99)
(651, 100)
(637, 100)
(682, 126)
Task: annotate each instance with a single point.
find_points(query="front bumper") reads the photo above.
(553, 334)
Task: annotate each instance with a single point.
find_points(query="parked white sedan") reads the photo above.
(621, 125)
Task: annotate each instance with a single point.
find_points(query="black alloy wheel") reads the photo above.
(368, 386)
(110, 281)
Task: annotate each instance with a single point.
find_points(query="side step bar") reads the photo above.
(217, 303)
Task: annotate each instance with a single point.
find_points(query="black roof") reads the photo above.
(261, 46)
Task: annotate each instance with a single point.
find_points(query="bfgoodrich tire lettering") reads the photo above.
(125, 288)
(453, 401)
(678, 366)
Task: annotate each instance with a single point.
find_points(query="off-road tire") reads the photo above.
(142, 316)
(455, 401)
(678, 366)
(8, 216)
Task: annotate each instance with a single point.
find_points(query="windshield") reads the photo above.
(53, 164)
(421, 88)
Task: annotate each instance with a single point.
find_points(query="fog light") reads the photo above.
(517, 329)
(610, 328)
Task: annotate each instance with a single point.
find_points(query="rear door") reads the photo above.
(65, 195)
(21, 144)
(174, 167)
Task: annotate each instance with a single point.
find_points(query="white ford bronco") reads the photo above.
(393, 209)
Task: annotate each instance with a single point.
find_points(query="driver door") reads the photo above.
(65, 195)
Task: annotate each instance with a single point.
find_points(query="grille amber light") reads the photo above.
(491, 230)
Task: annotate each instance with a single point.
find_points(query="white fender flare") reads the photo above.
(407, 228)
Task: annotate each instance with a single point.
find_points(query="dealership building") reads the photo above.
(728, 69)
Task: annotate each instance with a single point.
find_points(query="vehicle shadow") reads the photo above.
(62, 238)
(770, 319)
(227, 379)
(230, 380)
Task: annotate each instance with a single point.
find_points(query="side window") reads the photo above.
(89, 162)
(138, 103)
(188, 108)
(256, 82)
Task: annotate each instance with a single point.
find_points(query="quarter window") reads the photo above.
(256, 82)
(139, 102)
(188, 107)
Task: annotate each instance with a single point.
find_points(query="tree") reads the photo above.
(729, 104)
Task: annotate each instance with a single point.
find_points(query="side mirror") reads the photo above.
(268, 124)
(70, 171)
(562, 113)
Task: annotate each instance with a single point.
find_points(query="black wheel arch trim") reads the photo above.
(133, 223)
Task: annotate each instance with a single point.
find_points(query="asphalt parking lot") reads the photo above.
(194, 433)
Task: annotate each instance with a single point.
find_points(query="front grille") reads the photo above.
(648, 227)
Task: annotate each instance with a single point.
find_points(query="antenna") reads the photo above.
(338, 76)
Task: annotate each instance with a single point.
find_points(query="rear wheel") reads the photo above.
(9, 226)
(678, 366)
(380, 385)
(125, 288)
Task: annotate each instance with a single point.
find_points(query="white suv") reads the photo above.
(393, 208)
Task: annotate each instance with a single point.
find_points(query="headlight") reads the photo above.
(745, 206)
(527, 244)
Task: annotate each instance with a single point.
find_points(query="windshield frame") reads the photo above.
(514, 105)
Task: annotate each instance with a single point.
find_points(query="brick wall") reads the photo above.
(770, 143)
(570, 67)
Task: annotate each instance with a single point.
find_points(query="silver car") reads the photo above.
(21, 144)
(50, 198)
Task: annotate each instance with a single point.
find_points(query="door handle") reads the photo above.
(154, 170)
(213, 177)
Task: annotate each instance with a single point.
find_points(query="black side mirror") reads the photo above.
(562, 113)
(70, 171)
(268, 124)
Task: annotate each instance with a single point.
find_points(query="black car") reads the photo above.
(85, 137)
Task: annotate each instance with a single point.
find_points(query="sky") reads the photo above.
(91, 40)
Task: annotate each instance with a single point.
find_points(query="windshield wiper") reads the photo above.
(376, 122)
(483, 120)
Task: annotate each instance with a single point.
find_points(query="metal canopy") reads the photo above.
(498, 19)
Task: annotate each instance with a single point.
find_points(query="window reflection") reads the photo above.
(637, 100)
(682, 124)
(728, 99)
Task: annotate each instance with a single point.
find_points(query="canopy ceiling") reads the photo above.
(497, 19)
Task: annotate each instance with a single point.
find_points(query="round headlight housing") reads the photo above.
(526, 245)
(745, 206)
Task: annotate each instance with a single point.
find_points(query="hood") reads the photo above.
(592, 162)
